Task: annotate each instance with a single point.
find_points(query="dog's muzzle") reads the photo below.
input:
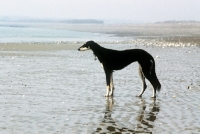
(83, 49)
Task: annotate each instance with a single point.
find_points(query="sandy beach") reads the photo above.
(45, 88)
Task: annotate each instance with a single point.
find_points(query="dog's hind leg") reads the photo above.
(144, 86)
(155, 83)
(148, 70)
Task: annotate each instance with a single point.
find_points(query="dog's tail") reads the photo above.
(155, 82)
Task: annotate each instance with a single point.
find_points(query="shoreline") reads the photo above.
(54, 46)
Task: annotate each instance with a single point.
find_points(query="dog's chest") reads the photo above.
(101, 64)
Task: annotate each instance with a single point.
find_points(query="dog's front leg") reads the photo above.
(107, 91)
(108, 78)
(111, 86)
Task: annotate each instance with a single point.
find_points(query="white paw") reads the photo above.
(106, 95)
(111, 94)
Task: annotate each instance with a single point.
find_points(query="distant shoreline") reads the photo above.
(169, 32)
(33, 20)
(172, 34)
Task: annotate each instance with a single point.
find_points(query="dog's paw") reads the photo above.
(110, 95)
(106, 95)
(139, 96)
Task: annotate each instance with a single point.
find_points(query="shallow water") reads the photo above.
(19, 33)
(62, 92)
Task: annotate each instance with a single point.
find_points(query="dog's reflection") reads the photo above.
(146, 118)
(144, 121)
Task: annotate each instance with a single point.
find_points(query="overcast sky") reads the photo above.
(133, 10)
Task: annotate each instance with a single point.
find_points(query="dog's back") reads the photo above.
(117, 60)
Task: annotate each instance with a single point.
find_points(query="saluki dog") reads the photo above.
(117, 60)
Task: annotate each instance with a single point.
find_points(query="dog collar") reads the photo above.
(95, 57)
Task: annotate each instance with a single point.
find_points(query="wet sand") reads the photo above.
(53, 88)
(57, 89)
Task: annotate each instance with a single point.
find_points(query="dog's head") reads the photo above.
(87, 46)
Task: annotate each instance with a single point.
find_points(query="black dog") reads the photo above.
(117, 60)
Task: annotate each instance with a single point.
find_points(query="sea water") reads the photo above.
(23, 34)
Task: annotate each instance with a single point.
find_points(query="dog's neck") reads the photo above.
(96, 51)
(95, 57)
